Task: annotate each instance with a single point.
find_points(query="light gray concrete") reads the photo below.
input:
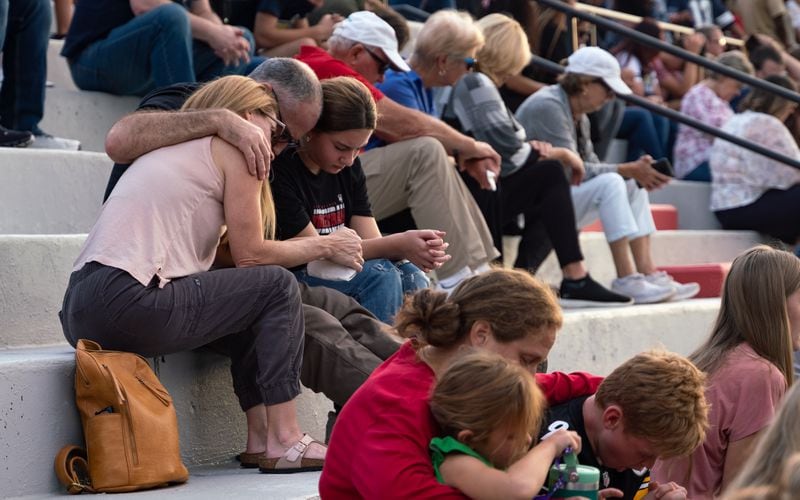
(692, 199)
(598, 340)
(227, 481)
(668, 248)
(50, 192)
(38, 414)
(83, 115)
(57, 68)
(33, 276)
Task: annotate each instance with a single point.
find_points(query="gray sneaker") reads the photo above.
(683, 291)
(642, 291)
(47, 141)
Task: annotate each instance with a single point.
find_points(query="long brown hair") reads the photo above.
(347, 104)
(753, 310)
(506, 397)
(241, 95)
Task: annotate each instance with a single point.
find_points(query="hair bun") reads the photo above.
(429, 316)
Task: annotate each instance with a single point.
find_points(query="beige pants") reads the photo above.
(417, 174)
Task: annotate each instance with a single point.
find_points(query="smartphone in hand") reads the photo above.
(662, 166)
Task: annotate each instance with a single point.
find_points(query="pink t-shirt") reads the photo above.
(693, 147)
(743, 394)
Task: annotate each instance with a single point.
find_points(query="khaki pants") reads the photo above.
(417, 174)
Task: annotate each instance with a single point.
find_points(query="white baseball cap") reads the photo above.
(367, 28)
(594, 61)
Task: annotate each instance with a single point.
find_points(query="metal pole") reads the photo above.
(676, 51)
(686, 120)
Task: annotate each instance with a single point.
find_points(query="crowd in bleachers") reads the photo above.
(290, 183)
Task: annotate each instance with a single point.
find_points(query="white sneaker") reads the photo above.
(641, 290)
(683, 291)
(46, 141)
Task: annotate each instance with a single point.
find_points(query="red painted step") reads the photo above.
(709, 276)
(665, 217)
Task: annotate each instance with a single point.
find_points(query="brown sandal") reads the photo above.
(293, 460)
(249, 460)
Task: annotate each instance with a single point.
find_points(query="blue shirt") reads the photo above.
(405, 88)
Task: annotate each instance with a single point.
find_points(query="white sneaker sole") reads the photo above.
(655, 299)
(688, 293)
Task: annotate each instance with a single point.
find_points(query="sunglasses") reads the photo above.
(382, 64)
(280, 134)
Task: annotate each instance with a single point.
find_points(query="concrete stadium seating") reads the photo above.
(49, 200)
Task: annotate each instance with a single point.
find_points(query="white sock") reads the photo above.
(454, 279)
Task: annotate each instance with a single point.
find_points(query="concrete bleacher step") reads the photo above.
(78, 114)
(51, 192)
(39, 390)
(692, 200)
(669, 248)
(39, 416)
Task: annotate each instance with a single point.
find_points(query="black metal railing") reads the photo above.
(676, 51)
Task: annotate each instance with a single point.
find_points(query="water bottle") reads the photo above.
(569, 479)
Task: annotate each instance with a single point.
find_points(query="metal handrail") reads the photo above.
(630, 18)
(686, 120)
(676, 51)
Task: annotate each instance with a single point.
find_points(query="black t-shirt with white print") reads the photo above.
(325, 200)
(570, 416)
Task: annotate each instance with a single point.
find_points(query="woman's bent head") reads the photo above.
(508, 312)
(239, 94)
(497, 417)
(349, 116)
(505, 51)
(446, 41)
(250, 100)
(757, 307)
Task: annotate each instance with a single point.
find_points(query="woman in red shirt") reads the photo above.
(379, 447)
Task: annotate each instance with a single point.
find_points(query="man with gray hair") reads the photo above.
(343, 341)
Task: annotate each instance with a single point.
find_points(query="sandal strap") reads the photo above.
(295, 454)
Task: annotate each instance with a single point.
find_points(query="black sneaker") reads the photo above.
(586, 292)
(14, 138)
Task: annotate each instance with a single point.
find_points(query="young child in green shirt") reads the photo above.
(488, 409)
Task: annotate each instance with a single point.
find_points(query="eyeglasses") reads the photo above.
(383, 65)
(281, 134)
(471, 63)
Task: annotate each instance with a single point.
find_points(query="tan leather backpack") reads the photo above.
(129, 424)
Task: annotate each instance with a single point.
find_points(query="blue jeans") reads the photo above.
(700, 173)
(158, 50)
(645, 131)
(379, 287)
(24, 35)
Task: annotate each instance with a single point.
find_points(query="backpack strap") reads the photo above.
(72, 469)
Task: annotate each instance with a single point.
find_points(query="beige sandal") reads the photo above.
(293, 460)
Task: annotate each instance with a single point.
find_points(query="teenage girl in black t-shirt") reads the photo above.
(319, 188)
